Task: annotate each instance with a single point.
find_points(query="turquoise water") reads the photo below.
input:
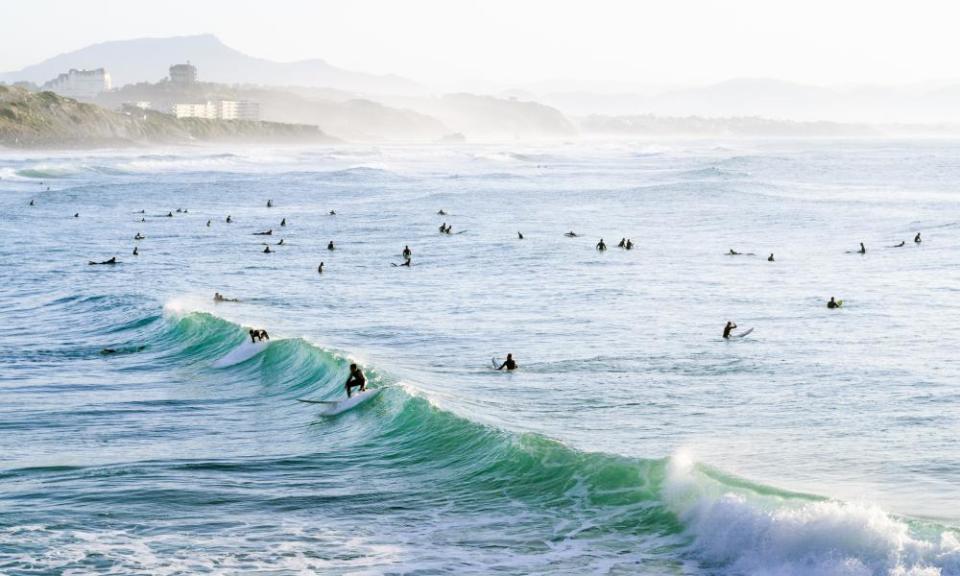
(633, 439)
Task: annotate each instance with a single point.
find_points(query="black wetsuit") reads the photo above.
(356, 379)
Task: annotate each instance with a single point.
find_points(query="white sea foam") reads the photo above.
(744, 532)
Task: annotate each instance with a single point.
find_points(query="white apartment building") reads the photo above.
(219, 110)
(80, 84)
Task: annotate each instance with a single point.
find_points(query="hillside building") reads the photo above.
(183, 73)
(80, 84)
(219, 110)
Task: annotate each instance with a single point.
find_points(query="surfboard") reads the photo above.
(341, 406)
(242, 353)
(744, 333)
(496, 364)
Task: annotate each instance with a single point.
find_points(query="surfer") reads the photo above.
(407, 253)
(733, 252)
(330, 246)
(571, 234)
(333, 212)
(283, 222)
(31, 202)
(863, 249)
(601, 246)
(267, 233)
(901, 244)
(623, 243)
(770, 258)
(139, 236)
(509, 363)
(441, 212)
(267, 250)
(169, 214)
(269, 203)
(917, 239)
(208, 223)
(629, 244)
(728, 329)
(110, 261)
(136, 251)
(519, 235)
(320, 268)
(280, 243)
(76, 215)
(253, 335)
(356, 378)
(833, 303)
(229, 219)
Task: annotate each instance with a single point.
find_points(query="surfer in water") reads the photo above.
(509, 363)
(571, 234)
(283, 222)
(728, 329)
(863, 249)
(136, 251)
(229, 219)
(623, 243)
(441, 212)
(629, 244)
(519, 235)
(267, 250)
(330, 246)
(253, 335)
(916, 239)
(269, 203)
(901, 244)
(320, 268)
(770, 258)
(833, 303)
(601, 246)
(355, 379)
(110, 261)
(733, 252)
(407, 252)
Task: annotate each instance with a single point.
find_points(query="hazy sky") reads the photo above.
(501, 43)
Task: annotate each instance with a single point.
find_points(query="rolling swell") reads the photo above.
(671, 509)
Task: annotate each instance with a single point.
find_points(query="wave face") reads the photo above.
(447, 493)
(633, 440)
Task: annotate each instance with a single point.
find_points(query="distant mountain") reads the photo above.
(148, 60)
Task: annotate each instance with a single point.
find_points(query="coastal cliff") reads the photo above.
(46, 120)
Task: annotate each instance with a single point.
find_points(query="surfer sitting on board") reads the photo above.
(728, 329)
(407, 253)
(509, 363)
(356, 378)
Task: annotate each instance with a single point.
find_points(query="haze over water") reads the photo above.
(632, 440)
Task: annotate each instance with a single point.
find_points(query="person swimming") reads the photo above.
(519, 235)
(110, 261)
(728, 329)
(320, 268)
(833, 303)
(356, 378)
(267, 250)
(601, 246)
(509, 363)
(916, 239)
(407, 253)
(901, 244)
(330, 245)
(770, 258)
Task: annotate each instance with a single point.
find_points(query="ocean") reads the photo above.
(633, 439)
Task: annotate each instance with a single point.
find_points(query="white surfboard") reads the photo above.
(744, 333)
(242, 353)
(496, 364)
(351, 402)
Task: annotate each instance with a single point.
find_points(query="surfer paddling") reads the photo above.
(355, 379)
(728, 329)
(509, 363)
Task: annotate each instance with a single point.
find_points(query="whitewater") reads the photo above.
(633, 439)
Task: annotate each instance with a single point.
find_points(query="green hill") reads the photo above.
(32, 120)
